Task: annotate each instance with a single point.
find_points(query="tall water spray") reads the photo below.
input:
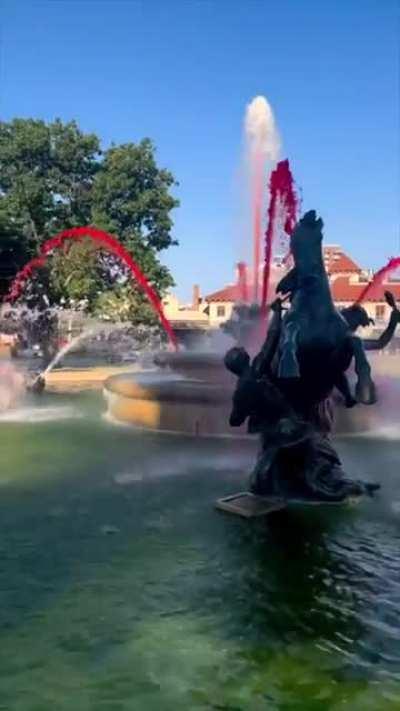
(262, 148)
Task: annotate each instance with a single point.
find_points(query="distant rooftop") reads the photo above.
(338, 265)
(336, 261)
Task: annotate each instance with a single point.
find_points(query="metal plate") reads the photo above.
(249, 505)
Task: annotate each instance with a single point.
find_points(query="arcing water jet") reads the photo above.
(262, 146)
(106, 241)
(379, 278)
(282, 205)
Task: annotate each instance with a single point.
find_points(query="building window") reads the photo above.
(380, 312)
(220, 311)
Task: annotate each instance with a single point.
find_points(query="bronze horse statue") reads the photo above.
(316, 344)
(285, 392)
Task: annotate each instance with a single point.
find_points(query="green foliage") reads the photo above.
(125, 303)
(54, 176)
(75, 273)
(131, 196)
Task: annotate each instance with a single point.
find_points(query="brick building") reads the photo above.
(347, 280)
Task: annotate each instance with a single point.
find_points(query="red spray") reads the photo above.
(379, 278)
(282, 196)
(104, 240)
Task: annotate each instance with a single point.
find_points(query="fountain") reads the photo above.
(104, 240)
(262, 146)
(190, 393)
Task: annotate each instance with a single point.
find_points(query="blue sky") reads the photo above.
(182, 72)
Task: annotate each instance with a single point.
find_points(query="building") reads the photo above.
(215, 309)
(347, 280)
(189, 321)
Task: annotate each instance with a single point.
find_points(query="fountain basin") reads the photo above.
(170, 403)
(206, 367)
(191, 394)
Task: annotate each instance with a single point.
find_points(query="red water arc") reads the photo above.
(282, 196)
(378, 279)
(111, 245)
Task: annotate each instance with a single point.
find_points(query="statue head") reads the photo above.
(356, 316)
(237, 360)
(306, 241)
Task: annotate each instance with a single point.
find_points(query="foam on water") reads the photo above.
(40, 414)
(389, 432)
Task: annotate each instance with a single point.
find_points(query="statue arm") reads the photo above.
(237, 417)
(240, 405)
(289, 283)
(376, 344)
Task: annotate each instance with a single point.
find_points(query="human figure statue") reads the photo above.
(285, 392)
(357, 317)
(294, 458)
(268, 413)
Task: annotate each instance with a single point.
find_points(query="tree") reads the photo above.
(76, 273)
(131, 199)
(54, 176)
(46, 176)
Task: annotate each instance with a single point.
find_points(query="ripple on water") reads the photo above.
(40, 414)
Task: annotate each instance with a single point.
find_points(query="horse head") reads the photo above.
(306, 243)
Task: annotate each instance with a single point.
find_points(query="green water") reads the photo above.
(123, 589)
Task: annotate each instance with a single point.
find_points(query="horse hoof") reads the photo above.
(366, 393)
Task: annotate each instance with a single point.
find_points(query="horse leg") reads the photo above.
(365, 387)
(339, 362)
(288, 363)
(342, 384)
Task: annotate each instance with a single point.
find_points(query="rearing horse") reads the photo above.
(316, 345)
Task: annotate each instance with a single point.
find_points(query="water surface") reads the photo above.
(122, 589)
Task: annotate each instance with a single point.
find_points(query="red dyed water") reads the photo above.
(243, 282)
(257, 192)
(282, 197)
(379, 278)
(111, 245)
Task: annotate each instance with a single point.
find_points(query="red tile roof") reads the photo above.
(233, 292)
(343, 291)
(337, 261)
(229, 293)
